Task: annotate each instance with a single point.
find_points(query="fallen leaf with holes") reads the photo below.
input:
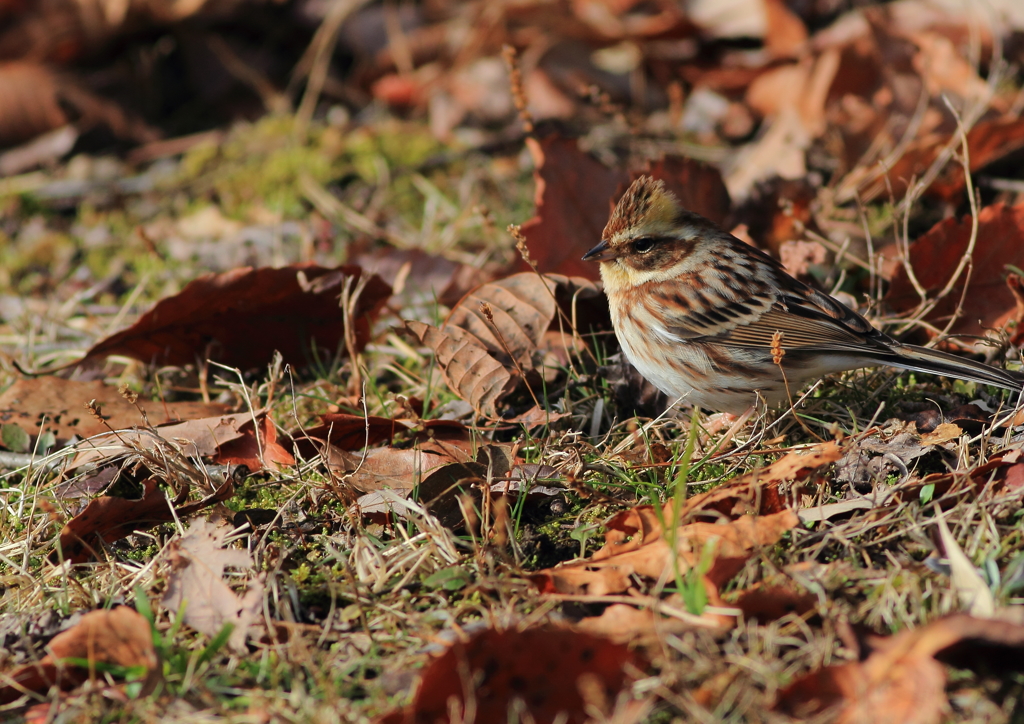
(241, 317)
(224, 438)
(109, 518)
(636, 544)
(575, 193)
(55, 405)
(988, 303)
(499, 336)
(554, 674)
(900, 678)
(116, 637)
(196, 578)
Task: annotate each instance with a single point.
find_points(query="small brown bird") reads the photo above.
(710, 320)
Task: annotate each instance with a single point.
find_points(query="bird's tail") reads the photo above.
(922, 359)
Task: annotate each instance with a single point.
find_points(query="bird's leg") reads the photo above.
(720, 419)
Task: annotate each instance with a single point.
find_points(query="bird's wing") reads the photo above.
(805, 317)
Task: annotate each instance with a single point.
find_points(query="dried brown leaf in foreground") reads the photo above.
(511, 331)
(241, 317)
(637, 544)
(550, 674)
(198, 560)
(759, 491)
(116, 637)
(988, 303)
(901, 680)
(53, 404)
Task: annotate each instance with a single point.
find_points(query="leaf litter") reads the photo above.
(472, 510)
(196, 586)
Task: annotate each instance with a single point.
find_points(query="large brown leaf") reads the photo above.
(469, 370)
(543, 668)
(240, 317)
(988, 303)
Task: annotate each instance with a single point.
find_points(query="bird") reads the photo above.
(717, 323)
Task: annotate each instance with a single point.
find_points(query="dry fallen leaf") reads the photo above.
(225, 438)
(636, 544)
(901, 681)
(934, 257)
(759, 490)
(109, 518)
(943, 433)
(241, 317)
(557, 674)
(196, 579)
(53, 404)
(440, 488)
(118, 637)
(500, 334)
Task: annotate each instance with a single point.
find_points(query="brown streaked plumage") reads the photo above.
(695, 310)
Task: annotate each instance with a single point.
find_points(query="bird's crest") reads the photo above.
(646, 203)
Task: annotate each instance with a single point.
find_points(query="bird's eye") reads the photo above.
(643, 245)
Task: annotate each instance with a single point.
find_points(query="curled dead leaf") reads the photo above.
(512, 331)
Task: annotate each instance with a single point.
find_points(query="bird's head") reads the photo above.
(648, 236)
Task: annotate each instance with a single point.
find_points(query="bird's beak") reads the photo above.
(601, 252)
